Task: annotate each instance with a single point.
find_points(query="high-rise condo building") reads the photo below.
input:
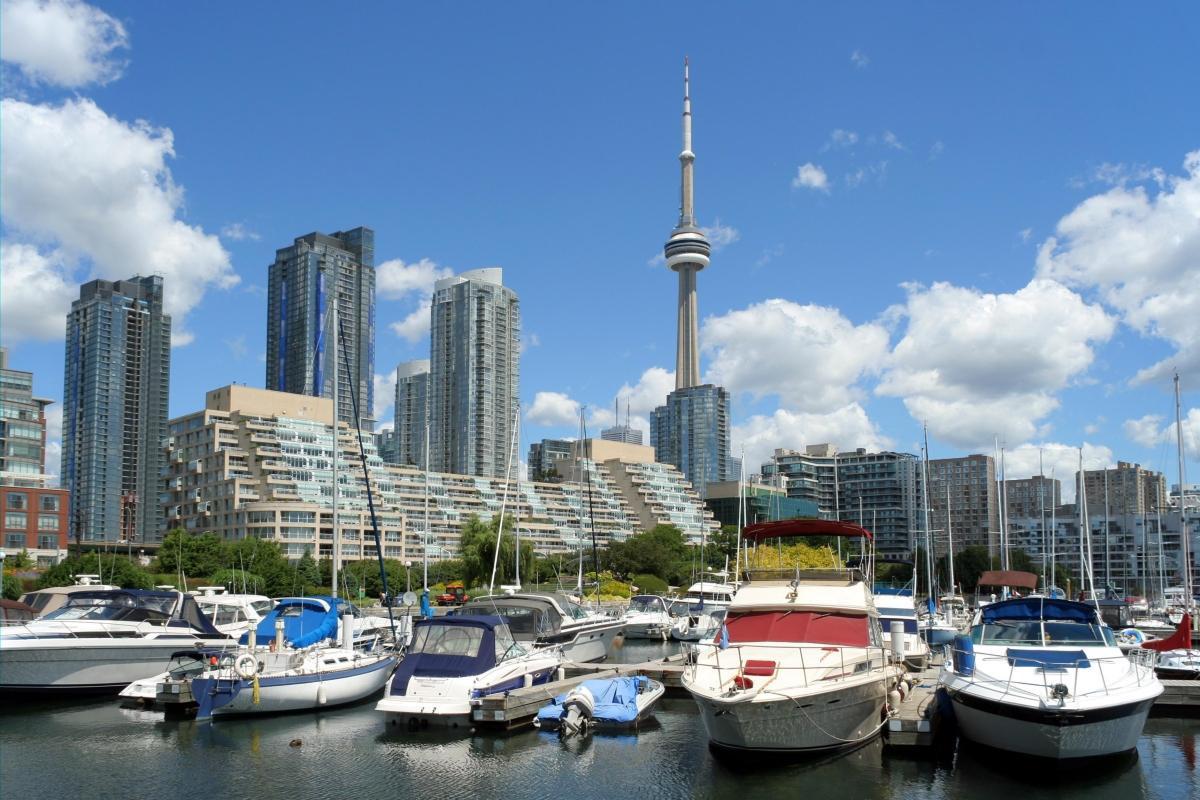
(411, 411)
(974, 507)
(115, 396)
(1125, 489)
(544, 457)
(475, 346)
(308, 276)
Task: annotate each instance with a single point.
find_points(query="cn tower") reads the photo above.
(687, 253)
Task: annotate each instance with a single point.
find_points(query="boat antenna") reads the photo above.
(362, 457)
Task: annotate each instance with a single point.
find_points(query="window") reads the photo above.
(14, 541)
(16, 520)
(18, 501)
(448, 640)
(47, 543)
(50, 502)
(47, 522)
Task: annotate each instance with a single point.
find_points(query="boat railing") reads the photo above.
(1048, 679)
(746, 666)
(840, 575)
(80, 629)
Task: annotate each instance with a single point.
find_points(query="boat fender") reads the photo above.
(322, 698)
(246, 666)
(901, 691)
(895, 698)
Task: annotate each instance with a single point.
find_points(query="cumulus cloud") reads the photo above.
(238, 231)
(839, 138)
(1141, 252)
(811, 176)
(720, 235)
(809, 356)
(1058, 461)
(54, 418)
(1153, 429)
(648, 393)
(892, 140)
(61, 42)
(553, 409)
(975, 365)
(75, 180)
(399, 280)
(36, 291)
(847, 427)
(385, 397)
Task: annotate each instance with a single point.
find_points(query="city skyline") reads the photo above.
(884, 259)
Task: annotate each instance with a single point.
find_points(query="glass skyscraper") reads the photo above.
(474, 359)
(115, 395)
(411, 411)
(309, 274)
(691, 431)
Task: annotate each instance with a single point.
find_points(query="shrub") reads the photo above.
(650, 584)
(12, 587)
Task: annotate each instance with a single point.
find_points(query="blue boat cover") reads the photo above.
(436, 665)
(616, 700)
(306, 621)
(964, 655)
(1025, 608)
(1047, 659)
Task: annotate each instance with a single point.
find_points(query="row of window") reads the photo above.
(19, 501)
(16, 541)
(19, 520)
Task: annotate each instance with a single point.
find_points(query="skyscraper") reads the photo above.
(411, 411)
(474, 366)
(307, 275)
(115, 395)
(691, 430)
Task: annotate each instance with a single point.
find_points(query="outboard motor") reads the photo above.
(577, 712)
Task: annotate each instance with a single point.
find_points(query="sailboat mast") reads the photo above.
(925, 503)
(1042, 511)
(950, 537)
(337, 429)
(1003, 511)
(425, 535)
(1184, 538)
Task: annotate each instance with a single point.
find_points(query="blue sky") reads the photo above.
(983, 218)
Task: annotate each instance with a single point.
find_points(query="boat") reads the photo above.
(1044, 677)
(181, 667)
(896, 606)
(52, 598)
(1176, 658)
(647, 618)
(101, 641)
(551, 619)
(608, 704)
(799, 665)
(233, 614)
(300, 657)
(693, 614)
(455, 660)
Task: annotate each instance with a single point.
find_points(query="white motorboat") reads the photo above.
(233, 614)
(693, 614)
(799, 664)
(896, 606)
(552, 619)
(52, 598)
(1044, 677)
(453, 662)
(101, 641)
(647, 618)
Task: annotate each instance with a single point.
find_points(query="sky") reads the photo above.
(985, 220)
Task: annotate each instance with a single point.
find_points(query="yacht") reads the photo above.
(647, 618)
(43, 601)
(233, 614)
(693, 614)
(799, 665)
(101, 641)
(551, 619)
(1044, 677)
(455, 660)
(896, 605)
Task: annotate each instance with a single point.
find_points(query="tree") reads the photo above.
(12, 587)
(659, 551)
(478, 544)
(308, 573)
(196, 555)
(114, 569)
(21, 560)
(969, 564)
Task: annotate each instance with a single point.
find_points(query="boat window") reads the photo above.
(1008, 632)
(645, 604)
(574, 610)
(1073, 633)
(447, 640)
(521, 619)
(810, 627)
(262, 607)
(506, 646)
(38, 600)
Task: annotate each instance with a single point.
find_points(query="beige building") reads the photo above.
(966, 487)
(1130, 490)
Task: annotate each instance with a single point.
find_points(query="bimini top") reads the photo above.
(1008, 577)
(1029, 608)
(802, 527)
(306, 621)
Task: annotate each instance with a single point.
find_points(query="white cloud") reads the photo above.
(857, 177)
(415, 326)
(92, 186)
(847, 427)
(1059, 461)
(859, 59)
(648, 393)
(811, 176)
(238, 231)
(809, 356)
(395, 279)
(975, 365)
(1152, 430)
(553, 409)
(891, 140)
(61, 42)
(1141, 252)
(35, 293)
(385, 397)
(54, 417)
(840, 138)
(720, 235)
(1025, 234)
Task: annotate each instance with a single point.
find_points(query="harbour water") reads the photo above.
(94, 748)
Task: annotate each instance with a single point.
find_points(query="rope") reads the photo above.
(886, 706)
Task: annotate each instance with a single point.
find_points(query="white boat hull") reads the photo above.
(304, 692)
(591, 645)
(648, 629)
(1050, 734)
(842, 717)
(84, 665)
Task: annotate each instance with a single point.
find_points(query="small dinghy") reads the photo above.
(615, 703)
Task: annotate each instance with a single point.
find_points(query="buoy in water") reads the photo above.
(295, 743)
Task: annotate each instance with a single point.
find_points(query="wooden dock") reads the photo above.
(918, 720)
(1179, 699)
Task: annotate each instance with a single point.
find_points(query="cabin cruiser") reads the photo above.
(233, 614)
(551, 619)
(453, 662)
(52, 598)
(896, 606)
(647, 618)
(799, 664)
(300, 657)
(693, 614)
(101, 641)
(1044, 677)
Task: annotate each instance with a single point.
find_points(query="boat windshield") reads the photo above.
(574, 610)
(1038, 632)
(121, 607)
(448, 640)
(645, 604)
(506, 646)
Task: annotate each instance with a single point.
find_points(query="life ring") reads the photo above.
(1130, 636)
(246, 666)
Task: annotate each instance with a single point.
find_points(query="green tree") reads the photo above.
(308, 573)
(969, 564)
(113, 569)
(237, 580)
(659, 551)
(197, 555)
(12, 587)
(478, 545)
(21, 560)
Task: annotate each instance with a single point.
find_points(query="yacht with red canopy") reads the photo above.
(799, 663)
